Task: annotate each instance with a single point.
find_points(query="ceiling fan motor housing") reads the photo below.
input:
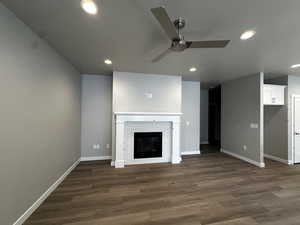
(179, 45)
(179, 23)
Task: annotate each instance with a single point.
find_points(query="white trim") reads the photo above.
(261, 165)
(45, 195)
(146, 161)
(204, 143)
(132, 128)
(277, 159)
(191, 153)
(119, 163)
(293, 126)
(148, 113)
(95, 158)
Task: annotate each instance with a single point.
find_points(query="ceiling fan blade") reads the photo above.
(162, 55)
(163, 18)
(208, 44)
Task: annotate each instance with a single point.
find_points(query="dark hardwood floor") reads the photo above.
(208, 149)
(212, 189)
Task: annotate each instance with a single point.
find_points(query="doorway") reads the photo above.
(211, 120)
(214, 116)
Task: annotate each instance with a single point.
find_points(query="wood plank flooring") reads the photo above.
(213, 189)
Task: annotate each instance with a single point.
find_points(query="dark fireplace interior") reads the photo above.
(147, 145)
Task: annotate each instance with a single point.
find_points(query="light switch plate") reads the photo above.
(254, 125)
(149, 95)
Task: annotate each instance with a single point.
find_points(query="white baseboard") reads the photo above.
(45, 195)
(119, 163)
(112, 163)
(191, 153)
(204, 143)
(95, 158)
(278, 159)
(261, 165)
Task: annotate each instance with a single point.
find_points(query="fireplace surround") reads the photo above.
(166, 123)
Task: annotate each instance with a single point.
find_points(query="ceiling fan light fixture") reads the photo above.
(248, 35)
(89, 6)
(193, 69)
(295, 66)
(108, 61)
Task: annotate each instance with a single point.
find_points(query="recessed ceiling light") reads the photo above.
(108, 61)
(247, 34)
(193, 69)
(295, 66)
(89, 6)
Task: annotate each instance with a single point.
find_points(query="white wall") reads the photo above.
(190, 129)
(96, 116)
(130, 89)
(40, 117)
(204, 116)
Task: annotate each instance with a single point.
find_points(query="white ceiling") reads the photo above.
(126, 32)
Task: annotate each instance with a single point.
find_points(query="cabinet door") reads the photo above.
(278, 95)
(267, 95)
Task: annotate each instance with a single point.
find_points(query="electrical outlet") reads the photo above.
(108, 146)
(254, 125)
(245, 148)
(187, 123)
(96, 146)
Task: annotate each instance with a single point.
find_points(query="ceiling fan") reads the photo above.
(172, 29)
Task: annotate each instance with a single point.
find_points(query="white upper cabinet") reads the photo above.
(273, 94)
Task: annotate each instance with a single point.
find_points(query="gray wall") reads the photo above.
(278, 120)
(293, 89)
(190, 129)
(204, 116)
(276, 124)
(129, 91)
(241, 106)
(40, 117)
(96, 113)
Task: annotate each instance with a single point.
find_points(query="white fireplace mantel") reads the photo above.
(122, 117)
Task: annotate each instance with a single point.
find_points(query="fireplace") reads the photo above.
(147, 145)
(142, 138)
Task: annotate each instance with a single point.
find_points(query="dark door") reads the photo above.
(214, 116)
